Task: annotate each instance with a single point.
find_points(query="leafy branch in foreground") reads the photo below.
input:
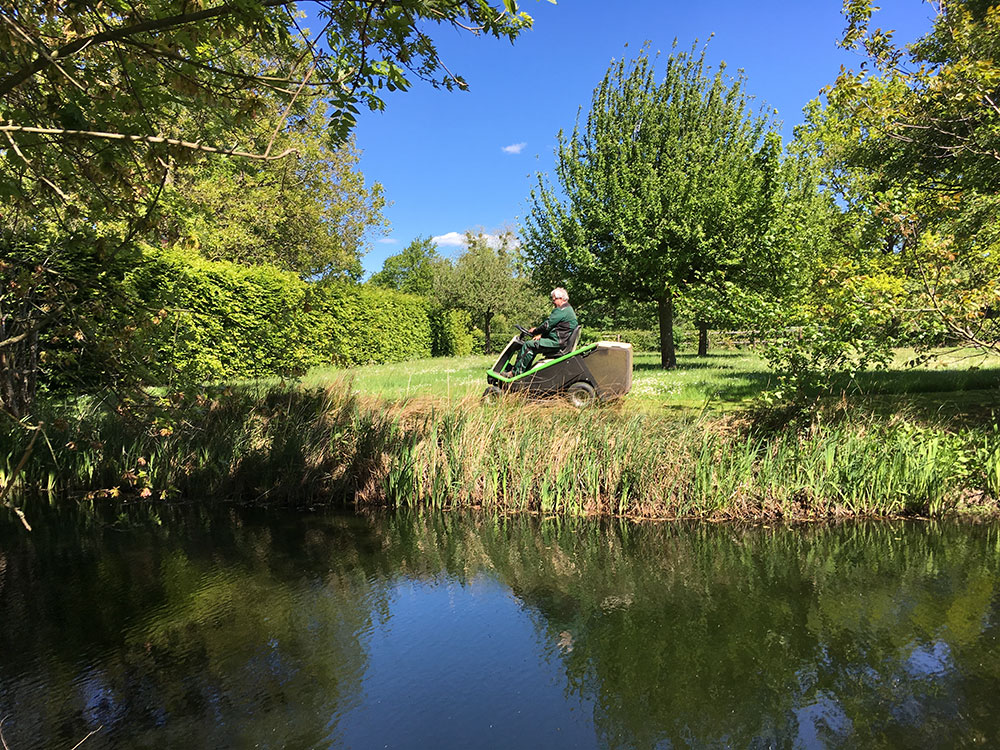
(913, 147)
(105, 103)
(80, 73)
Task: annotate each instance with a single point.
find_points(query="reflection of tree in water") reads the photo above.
(209, 634)
(880, 634)
(240, 629)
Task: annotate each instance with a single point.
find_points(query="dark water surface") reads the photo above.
(288, 630)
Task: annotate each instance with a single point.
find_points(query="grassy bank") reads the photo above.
(301, 444)
(957, 382)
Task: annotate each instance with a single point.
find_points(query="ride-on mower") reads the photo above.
(602, 370)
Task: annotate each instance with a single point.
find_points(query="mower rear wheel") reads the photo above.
(491, 395)
(581, 394)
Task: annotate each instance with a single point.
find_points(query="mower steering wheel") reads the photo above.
(524, 331)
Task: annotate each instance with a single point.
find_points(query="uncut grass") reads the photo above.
(295, 445)
(594, 463)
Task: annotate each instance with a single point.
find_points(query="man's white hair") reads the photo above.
(560, 293)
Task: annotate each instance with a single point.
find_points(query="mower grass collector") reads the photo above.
(602, 370)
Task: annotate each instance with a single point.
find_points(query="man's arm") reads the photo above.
(543, 328)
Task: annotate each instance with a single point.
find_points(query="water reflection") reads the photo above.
(418, 630)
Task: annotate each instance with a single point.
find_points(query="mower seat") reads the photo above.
(574, 339)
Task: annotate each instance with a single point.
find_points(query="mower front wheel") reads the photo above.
(581, 394)
(491, 395)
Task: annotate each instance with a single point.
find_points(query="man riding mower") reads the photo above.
(600, 370)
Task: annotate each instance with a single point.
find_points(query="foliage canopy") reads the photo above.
(912, 142)
(668, 191)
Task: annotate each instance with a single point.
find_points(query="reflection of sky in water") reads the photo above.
(821, 719)
(456, 665)
(930, 660)
(101, 704)
(904, 687)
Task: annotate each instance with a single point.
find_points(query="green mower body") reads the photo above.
(602, 370)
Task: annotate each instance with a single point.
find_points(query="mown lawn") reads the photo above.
(726, 379)
(954, 383)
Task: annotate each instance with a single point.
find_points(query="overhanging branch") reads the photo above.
(11, 128)
(15, 79)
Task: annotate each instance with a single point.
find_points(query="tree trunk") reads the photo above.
(702, 339)
(18, 374)
(665, 310)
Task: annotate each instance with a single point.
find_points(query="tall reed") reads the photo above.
(287, 444)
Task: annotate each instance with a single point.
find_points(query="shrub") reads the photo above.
(369, 324)
(451, 334)
(209, 320)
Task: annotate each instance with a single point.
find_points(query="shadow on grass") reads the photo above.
(958, 397)
(736, 382)
(925, 381)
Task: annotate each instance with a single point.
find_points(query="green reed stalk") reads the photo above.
(289, 444)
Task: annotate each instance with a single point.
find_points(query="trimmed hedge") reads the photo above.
(451, 334)
(215, 320)
(369, 324)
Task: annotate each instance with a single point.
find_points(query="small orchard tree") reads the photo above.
(413, 270)
(668, 188)
(488, 280)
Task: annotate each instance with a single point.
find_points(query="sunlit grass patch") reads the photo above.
(451, 378)
(724, 380)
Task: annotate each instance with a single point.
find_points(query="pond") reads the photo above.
(196, 628)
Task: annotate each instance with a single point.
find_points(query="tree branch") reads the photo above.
(11, 128)
(15, 79)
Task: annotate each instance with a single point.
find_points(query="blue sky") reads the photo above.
(457, 161)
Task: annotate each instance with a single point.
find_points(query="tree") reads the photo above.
(310, 213)
(669, 190)
(103, 103)
(487, 280)
(913, 144)
(413, 270)
(834, 289)
(96, 88)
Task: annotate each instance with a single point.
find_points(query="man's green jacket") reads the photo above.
(556, 330)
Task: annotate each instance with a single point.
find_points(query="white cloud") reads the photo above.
(451, 239)
(514, 148)
(495, 241)
(387, 241)
(456, 239)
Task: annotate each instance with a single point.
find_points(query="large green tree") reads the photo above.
(310, 213)
(103, 103)
(413, 270)
(668, 189)
(912, 141)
